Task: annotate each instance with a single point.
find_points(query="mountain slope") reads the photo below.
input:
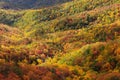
(78, 40)
(21, 4)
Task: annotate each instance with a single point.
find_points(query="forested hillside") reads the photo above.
(28, 4)
(77, 40)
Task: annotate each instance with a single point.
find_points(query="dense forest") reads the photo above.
(75, 40)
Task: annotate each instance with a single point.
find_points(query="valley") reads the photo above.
(76, 40)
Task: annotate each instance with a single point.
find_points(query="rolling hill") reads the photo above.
(77, 40)
(27, 4)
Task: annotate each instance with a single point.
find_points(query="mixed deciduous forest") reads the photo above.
(60, 40)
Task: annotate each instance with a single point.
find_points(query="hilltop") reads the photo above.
(28, 4)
